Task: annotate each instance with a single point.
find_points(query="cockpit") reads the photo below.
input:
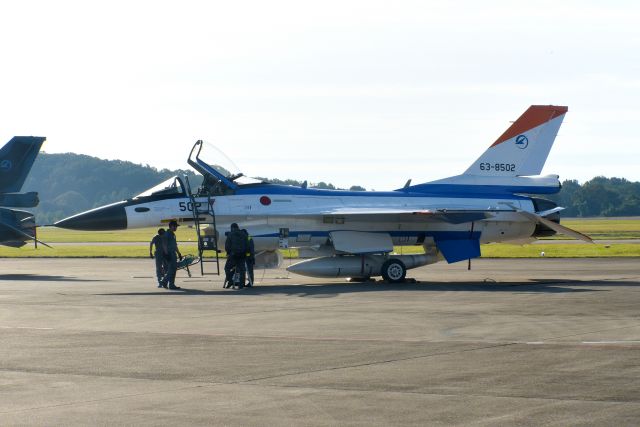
(221, 175)
(170, 188)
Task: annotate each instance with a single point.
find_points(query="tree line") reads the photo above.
(599, 196)
(71, 183)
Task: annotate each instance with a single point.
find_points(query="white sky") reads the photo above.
(364, 93)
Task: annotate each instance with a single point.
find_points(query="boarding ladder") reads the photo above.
(204, 220)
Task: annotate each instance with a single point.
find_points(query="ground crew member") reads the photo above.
(172, 253)
(250, 257)
(158, 254)
(236, 247)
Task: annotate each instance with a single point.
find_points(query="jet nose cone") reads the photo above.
(109, 217)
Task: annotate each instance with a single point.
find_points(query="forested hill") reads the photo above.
(599, 196)
(71, 183)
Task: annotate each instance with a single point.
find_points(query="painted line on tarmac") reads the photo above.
(612, 342)
(26, 327)
(584, 342)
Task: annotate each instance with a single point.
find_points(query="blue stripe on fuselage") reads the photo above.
(423, 190)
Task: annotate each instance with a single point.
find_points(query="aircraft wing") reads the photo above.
(449, 216)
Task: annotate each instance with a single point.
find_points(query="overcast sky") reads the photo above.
(350, 92)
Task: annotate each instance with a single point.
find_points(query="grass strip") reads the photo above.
(495, 250)
(503, 250)
(596, 228)
(59, 235)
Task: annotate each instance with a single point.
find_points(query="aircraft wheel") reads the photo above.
(393, 271)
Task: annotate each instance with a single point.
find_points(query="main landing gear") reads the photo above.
(393, 271)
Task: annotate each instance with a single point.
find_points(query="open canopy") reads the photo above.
(221, 175)
(171, 187)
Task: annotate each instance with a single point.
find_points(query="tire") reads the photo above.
(359, 279)
(393, 271)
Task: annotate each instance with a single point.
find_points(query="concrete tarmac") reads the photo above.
(511, 342)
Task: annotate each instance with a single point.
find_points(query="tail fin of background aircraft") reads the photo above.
(522, 149)
(16, 159)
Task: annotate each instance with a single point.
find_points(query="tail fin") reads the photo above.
(16, 159)
(523, 149)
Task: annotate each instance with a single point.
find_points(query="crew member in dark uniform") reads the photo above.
(236, 247)
(158, 254)
(250, 259)
(172, 254)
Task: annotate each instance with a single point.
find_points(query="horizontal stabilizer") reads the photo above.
(557, 227)
(20, 200)
(17, 235)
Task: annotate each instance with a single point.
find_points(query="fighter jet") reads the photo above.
(17, 227)
(352, 233)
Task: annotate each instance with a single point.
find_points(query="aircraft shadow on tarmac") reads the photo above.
(43, 278)
(329, 290)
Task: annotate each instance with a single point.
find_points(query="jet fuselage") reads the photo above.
(305, 217)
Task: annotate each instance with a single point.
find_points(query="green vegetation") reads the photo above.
(488, 251)
(71, 183)
(320, 185)
(54, 235)
(604, 228)
(570, 250)
(100, 251)
(80, 251)
(599, 196)
(598, 228)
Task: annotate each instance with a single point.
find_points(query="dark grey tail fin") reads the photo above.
(16, 159)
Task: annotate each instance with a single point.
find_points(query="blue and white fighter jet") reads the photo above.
(17, 227)
(353, 234)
